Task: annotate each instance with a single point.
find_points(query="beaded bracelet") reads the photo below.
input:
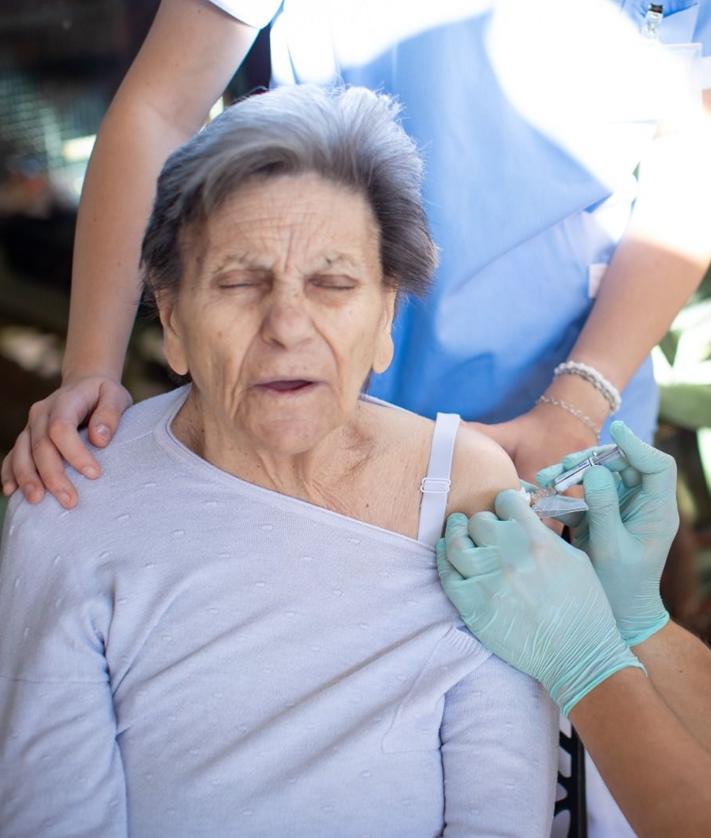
(606, 389)
(578, 414)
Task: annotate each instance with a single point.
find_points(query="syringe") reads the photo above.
(546, 501)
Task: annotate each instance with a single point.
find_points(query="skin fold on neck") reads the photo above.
(321, 475)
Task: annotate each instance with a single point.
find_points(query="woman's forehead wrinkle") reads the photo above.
(294, 228)
(241, 259)
(314, 247)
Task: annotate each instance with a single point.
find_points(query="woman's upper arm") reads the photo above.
(60, 766)
(499, 753)
(480, 470)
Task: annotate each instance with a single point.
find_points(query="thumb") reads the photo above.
(603, 516)
(657, 469)
(113, 401)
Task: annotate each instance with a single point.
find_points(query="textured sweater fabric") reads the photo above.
(188, 654)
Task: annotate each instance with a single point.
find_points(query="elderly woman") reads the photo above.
(240, 629)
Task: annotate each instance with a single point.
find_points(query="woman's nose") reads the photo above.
(286, 320)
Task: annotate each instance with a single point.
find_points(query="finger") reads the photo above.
(547, 475)
(603, 516)
(456, 534)
(112, 404)
(465, 594)
(6, 476)
(448, 574)
(631, 477)
(657, 469)
(483, 529)
(475, 561)
(504, 542)
(461, 552)
(68, 444)
(457, 584)
(23, 468)
(49, 463)
(528, 487)
(63, 420)
(512, 506)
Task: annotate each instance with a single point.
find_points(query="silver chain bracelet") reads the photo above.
(606, 389)
(574, 411)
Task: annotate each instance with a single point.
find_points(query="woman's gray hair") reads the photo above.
(349, 136)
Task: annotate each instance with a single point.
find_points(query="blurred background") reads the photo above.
(60, 64)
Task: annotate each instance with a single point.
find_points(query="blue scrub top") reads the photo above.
(518, 220)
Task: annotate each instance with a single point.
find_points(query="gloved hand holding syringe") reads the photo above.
(569, 613)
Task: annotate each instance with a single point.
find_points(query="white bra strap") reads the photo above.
(435, 487)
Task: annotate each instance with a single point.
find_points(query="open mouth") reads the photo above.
(293, 385)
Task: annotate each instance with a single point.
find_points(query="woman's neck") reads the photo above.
(321, 475)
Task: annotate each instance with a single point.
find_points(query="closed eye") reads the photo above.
(334, 283)
(242, 280)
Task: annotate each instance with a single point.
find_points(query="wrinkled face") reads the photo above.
(283, 312)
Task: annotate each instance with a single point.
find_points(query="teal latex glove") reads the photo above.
(628, 530)
(532, 599)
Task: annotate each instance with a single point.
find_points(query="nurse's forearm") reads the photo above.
(164, 99)
(642, 291)
(679, 667)
(657, 266)
(656, 771)
(116, 201)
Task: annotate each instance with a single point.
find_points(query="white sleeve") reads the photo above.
(499, 752)
(60, 766)
(257, 13)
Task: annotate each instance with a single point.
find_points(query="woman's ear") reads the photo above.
(385, 349)
(173, 345)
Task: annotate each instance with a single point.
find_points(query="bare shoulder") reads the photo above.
(392, 423)
(480, 470)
